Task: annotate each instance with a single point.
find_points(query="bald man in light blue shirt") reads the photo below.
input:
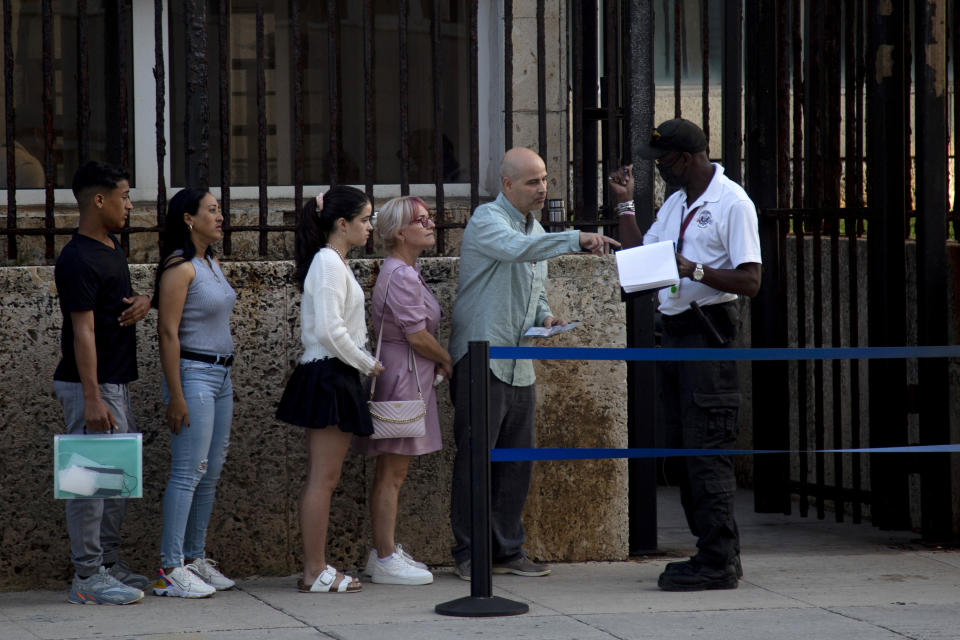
(500, 295)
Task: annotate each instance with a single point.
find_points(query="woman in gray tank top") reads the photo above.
(194, 303)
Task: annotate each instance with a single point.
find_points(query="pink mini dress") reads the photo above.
(409, 307)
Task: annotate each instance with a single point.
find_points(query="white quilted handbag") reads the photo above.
(397, 418)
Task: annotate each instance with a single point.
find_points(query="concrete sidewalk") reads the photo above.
(803, 578)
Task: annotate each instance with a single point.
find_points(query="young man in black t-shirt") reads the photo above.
(99, 346)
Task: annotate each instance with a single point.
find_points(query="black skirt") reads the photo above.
(325, 392)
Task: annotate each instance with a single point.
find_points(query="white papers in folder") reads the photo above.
(650, 266)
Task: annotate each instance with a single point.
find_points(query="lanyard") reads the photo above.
(683, 227)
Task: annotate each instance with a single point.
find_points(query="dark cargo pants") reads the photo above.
(699, 405)
(511, 418)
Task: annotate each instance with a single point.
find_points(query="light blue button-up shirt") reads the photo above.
(500, 293)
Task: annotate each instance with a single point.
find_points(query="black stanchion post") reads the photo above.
(481, 602)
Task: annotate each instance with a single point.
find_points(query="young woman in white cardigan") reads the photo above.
(324, 392)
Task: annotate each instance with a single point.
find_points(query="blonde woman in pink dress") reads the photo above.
(410, 315)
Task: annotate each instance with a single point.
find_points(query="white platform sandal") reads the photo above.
(327, 582)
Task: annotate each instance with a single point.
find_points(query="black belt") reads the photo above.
(226, 361)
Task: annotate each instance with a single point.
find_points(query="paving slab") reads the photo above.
(804, 579)
(918, 622)
(48, 615)
(742, 624)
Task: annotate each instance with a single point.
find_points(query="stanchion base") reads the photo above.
(476, 607)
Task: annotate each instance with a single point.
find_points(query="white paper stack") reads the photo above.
(650, 266)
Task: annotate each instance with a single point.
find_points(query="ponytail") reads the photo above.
(316, 222)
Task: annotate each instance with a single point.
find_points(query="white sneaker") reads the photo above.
(182, 582)
(395, 570)
(372, 558)
(208, 572)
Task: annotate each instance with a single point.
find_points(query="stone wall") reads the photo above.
(576, 510)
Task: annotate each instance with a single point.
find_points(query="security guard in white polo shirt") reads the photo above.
(714, 225)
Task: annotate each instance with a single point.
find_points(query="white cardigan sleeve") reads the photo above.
(328, 285)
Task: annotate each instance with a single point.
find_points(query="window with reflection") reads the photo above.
(317, 166)
(101, 138)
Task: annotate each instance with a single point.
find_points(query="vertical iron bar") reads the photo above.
(507, 76)
(369, 102)
(10, 122)
(834, 20)
(159, 75)
(225, 169)
(591, 78)
(542, 97)
(796, 40)
(955, 35)
(799, 162)
(783, 119)
(705, 63)
(577, 143)
(333, 88)
(641, 377)
(83, 83)
(853, 251)
(677, 57)
(852, 203)
(769, 378)
(932, 268)
(611, 140)
(197, 117)
(369, 105)
(783, 272)
(404, 98)
(47, 100)
(438, 155)
(123, 45)
(818, 403)
(907, 133)
(296, 107)
(666, 36)
(474, 108)
(123, 116)
(261, 130)
(886, 197)
(730, 96)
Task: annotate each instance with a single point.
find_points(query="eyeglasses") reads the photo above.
(423, 222)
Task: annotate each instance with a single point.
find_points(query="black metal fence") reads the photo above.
(842, 174)
(199, 40)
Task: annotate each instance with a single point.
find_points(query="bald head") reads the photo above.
(517, 160)
(524, 178)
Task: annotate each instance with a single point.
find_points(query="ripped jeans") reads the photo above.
(197, 456)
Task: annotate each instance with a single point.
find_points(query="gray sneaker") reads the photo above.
(123, 573)
(463, 570)
(102, 588)
(522, 566)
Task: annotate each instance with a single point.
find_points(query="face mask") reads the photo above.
(84, 477)
(669, 176)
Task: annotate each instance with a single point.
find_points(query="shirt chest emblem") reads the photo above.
(704, 219)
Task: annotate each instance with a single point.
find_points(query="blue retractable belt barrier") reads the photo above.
(482, 602)
(516, 455)
(664, 354)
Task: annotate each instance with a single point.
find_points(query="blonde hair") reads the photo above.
(394, 216)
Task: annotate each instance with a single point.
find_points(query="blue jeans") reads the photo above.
(94, 523)
(197, 456)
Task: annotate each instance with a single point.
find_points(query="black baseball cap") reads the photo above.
(673, 135)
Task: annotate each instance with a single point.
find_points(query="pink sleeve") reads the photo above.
(405, 299)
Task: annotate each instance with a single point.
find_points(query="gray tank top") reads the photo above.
(205, 324)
